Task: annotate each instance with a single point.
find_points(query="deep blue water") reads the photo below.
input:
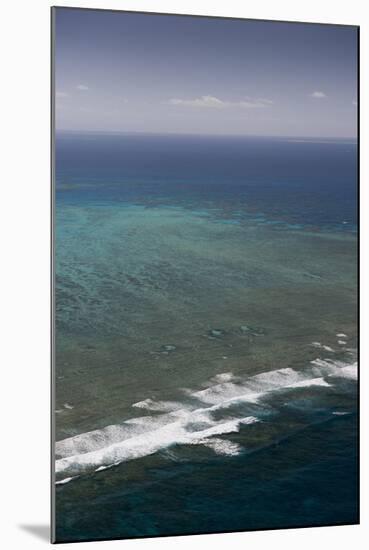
(311, 183)
(310, 479)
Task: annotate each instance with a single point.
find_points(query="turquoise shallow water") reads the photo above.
(206, 336)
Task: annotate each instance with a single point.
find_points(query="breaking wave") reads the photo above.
(202, 417)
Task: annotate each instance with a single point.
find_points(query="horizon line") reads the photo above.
(214, 135)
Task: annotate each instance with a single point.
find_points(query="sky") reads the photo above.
(130, 72)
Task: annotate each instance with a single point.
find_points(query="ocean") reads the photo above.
(206, 334)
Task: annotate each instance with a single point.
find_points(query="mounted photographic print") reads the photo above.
(205, 178)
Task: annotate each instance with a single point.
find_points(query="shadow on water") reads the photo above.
(42, 532)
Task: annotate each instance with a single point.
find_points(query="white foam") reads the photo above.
(307, 383)
(146, 444)
(349, 371)
(102, 468)
(321, 346)
(65, 480)
(336, 369)
(250, 390)
(222, 446)
(161, 406)
(341, 335)
(342, 342)
(224, 377)
(98, 439)
(191, 422)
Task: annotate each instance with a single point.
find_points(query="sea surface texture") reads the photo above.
(206, 334)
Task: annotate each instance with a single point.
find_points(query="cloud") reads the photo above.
(318, 95)
(251, 103)
(354, 102)
(61, 94)
(82, 87)
(203, 101)
(209, 101)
